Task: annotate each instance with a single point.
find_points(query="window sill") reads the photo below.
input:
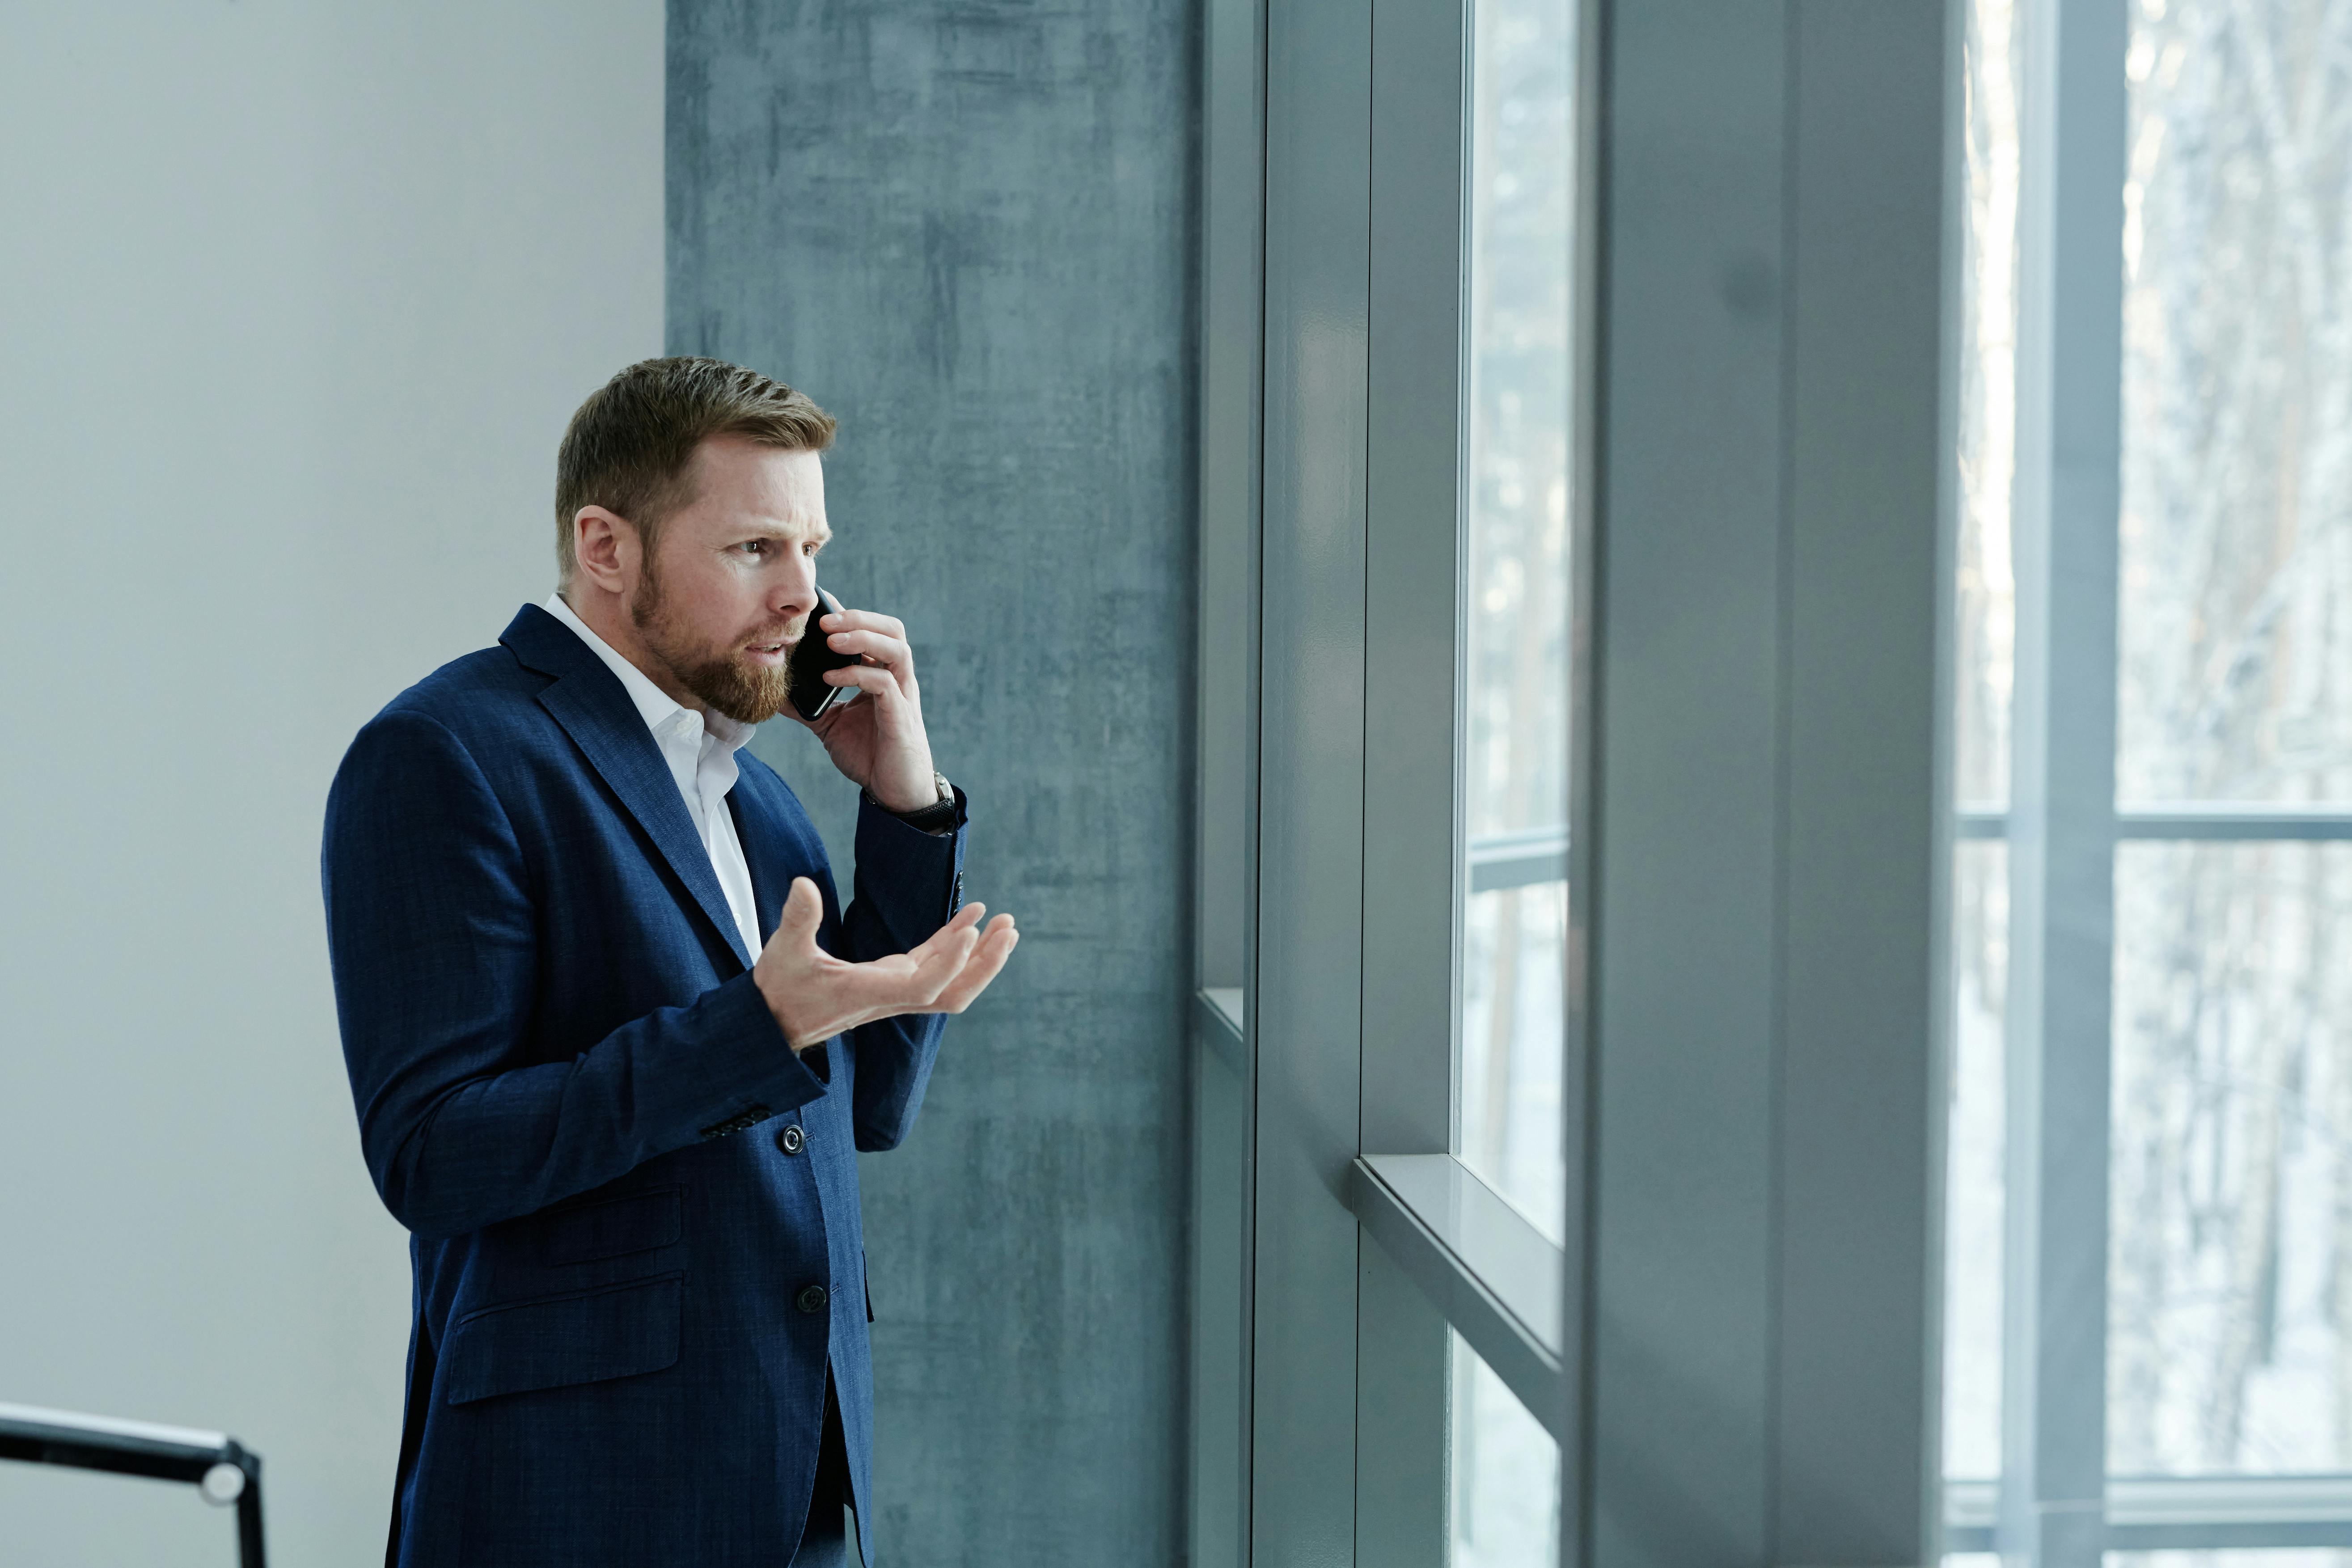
(2158, 1513)
(1493, 1275)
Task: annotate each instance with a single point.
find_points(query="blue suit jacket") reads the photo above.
(572, 1094)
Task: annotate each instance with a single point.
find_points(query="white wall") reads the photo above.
(294, 301)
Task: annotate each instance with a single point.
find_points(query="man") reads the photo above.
(612, 1039)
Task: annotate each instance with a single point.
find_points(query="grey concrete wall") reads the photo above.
(294, 301)
(966, 230)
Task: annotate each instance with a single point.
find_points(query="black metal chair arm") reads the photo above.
(217, 1464)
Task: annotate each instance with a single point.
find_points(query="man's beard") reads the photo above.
(748, 694)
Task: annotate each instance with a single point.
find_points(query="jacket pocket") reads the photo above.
(588, 1336)
(611, 1228)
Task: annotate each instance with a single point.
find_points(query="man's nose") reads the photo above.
(796, 596)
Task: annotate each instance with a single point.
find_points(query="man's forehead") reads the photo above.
(776, 491)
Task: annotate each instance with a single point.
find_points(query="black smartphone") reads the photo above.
(812, 698)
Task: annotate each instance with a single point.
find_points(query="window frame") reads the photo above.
(1386, 1068)
(1328, 1270)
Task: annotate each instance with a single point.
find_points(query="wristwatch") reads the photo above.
(935, 817)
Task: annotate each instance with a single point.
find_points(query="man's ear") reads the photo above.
(605, 546)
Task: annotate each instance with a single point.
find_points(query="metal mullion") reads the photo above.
(2182, 1513)
(1402, 1394)
(1859, 1098)
(1232, 306)
(2170, 823)
(2061, 821)
(1571, 1424)
(1218, 1490)
(1306, 1005)
(1231, 357)
(1764, 820)
(2197, 821)
(1674, 973)
(1413, 725)
(1412, 571)
(2226, 1537)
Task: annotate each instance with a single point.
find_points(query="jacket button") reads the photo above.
(791, 1139)
(811, 1298)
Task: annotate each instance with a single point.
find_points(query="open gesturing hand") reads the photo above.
(815, 995)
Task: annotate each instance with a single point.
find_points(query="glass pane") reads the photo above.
(2230, 1254)
(1516, 695)
(1505, 1474)
(2236, 448)
(2242, 1557)
(1512, 1022)
(1986, 627)
(1972, 1277)
(1987, 623)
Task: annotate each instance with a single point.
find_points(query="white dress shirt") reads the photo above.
(701, 753)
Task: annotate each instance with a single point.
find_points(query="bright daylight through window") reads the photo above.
(1504, 1472)
(1985, 630)
(1505, 1468)
(2231, 1288)
(1517, 504)
(2229, 1232)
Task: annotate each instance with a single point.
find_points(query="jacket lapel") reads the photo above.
(767, 904)
(588, 701)
(774, 849)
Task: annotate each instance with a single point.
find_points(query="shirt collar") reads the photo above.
(654, 705)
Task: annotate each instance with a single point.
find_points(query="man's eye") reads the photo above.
(753, 546)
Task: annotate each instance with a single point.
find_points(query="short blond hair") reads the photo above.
(629, 446)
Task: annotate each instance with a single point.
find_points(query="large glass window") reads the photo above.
(2232, 1290)
(2231, 1207)
(1516, 502)
(2228, 1237)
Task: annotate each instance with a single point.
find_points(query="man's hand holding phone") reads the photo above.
(880, 743)
(814, 996)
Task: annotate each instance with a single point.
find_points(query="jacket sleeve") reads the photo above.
(432, 931)
(908, 883)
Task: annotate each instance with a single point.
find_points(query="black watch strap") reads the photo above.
(937, 817)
